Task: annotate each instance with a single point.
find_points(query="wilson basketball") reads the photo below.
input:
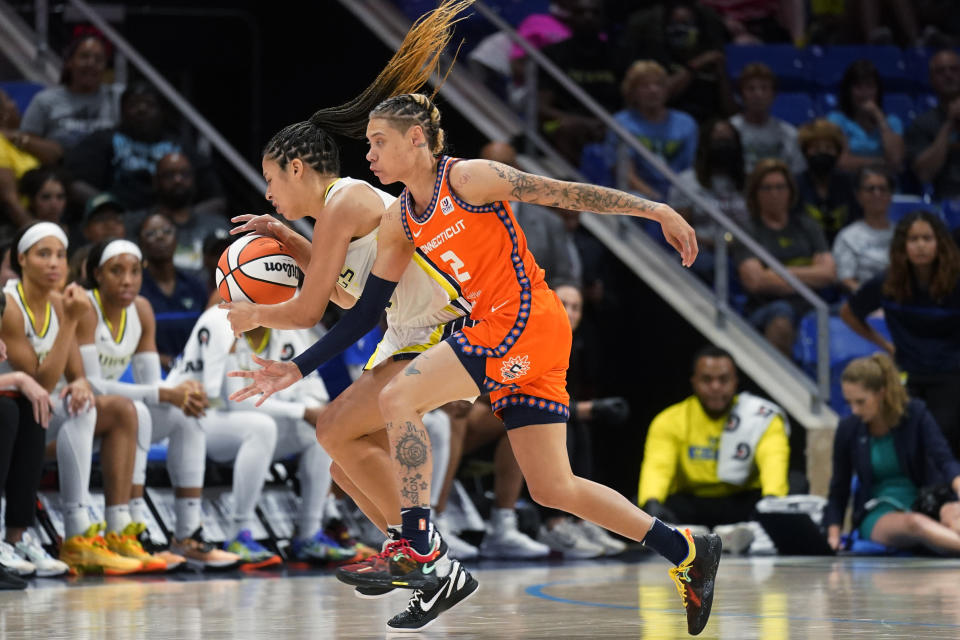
(257, 269)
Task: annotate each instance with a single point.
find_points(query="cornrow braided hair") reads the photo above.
(306, 141)
(404, 111)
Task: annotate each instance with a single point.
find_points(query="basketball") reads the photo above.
(257, 269)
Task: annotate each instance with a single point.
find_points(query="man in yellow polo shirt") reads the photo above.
(710, 458)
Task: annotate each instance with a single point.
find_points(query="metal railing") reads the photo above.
(195, 118)
(535, 61)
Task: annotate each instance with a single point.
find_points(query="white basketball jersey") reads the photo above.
(115, 354)
(281, 346)
(49, 325)
(423, 296)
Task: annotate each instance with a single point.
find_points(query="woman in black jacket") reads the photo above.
(895, 448)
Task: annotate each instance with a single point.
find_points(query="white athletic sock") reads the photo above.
(239, 524)
(144, 434)
(76, 519)
(139, 511)
(74, 457)
(314, 474)
(331, 510)
(118, 517)
(188, 517)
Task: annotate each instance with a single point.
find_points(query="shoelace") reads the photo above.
(681, 587)
(414, 605)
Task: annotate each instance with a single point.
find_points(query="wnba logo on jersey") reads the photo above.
(446, 205)
(515, 367)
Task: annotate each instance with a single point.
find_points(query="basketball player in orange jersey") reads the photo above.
(454, 214)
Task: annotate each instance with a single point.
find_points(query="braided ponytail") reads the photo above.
(407, 71)
(879, 373)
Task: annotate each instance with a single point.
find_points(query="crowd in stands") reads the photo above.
(113, 222)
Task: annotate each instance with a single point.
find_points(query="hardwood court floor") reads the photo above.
(762, 598)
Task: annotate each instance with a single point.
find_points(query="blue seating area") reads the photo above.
(21, 92)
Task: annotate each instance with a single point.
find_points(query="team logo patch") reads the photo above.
(203, 336)
(287, 352)
(446, 205)
(515, 367)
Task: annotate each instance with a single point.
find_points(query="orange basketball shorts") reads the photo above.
(519, 355)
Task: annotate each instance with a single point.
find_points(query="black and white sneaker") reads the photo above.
(426, 605)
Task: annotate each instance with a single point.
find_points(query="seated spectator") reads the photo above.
(862, 248)
(540, 30)
(773, 307)
(213, 248)
(670, 134)
(872, 136)
(175, 196)
(763, 135)
(824, 192)
(717, 177)
(920, 296)
(123, 160)
(873, 29)
(759, 21)
(932, 148)
(893, 446)
(547, 236)
(177, 297)
(694, 469)
(6, 271)
(697, 82)
(589, 60)
(15, 160)
(81, 104)
(27, 150)
(102, 219)
(45, 191)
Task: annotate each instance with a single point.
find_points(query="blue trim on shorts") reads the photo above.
(476, 366)
(516, 411)
(409, 355)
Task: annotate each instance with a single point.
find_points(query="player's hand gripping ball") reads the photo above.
(257, 269)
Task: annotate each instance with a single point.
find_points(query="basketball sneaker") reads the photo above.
(427, 604)
(88, 553)
(253, 555)
(694, 578)
(126, 544)
(10, 581)
(320, 548)
(30, 549)
(599, 536)
(566, 539)
(374, 593)
(338, 532)
(201, 554)
(736, 538)
(399, 565)
(14, 563)
(504, 540)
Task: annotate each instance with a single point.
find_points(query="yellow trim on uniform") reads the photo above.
(103, 312)
(263, 343)
(33, 321)
(329, 186)
(433, 273)
(434, 339)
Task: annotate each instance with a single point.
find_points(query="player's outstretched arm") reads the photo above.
(483, 181)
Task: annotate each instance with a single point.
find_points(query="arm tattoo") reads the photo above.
(578, 196)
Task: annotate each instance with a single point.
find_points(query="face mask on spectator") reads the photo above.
(682, 36)
(821, 163)
(722, 153)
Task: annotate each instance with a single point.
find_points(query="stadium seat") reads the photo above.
(830, 63)
(918, 66)
(845, 345)
(21, 92)
(900, 105)
(950, 211)
(791, 65)
(827, 102)
(795, 108)
(595, 165)
(903, 204)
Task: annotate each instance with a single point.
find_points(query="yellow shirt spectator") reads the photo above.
(14, 159)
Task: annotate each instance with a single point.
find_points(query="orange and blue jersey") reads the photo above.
(522, 335)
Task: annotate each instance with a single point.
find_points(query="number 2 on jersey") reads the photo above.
(456, 264)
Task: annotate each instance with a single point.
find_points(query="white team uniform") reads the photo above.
(426, 306)
(156, 422)
(253, 437)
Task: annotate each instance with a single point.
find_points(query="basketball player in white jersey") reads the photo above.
(118, 331)
(253, 438)
(39, 329)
